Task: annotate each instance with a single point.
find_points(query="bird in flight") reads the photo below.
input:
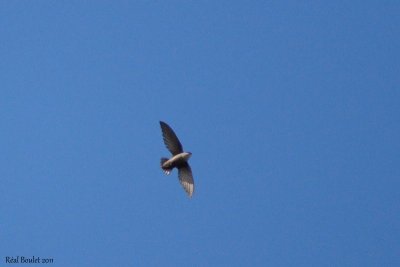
(178, 160)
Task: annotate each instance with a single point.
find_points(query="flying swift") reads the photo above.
(178, 160)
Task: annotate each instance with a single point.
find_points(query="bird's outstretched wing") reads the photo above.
(171, 141)
(186, 178)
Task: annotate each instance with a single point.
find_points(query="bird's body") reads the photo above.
(175, 162)
(178, 160)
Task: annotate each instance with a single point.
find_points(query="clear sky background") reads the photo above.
(291, 112)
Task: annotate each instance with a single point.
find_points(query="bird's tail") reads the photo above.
(166, 170)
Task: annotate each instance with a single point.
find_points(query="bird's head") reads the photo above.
(187, 155)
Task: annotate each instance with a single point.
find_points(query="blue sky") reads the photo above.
(291, 112)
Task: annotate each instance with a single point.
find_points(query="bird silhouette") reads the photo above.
(178, 160)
